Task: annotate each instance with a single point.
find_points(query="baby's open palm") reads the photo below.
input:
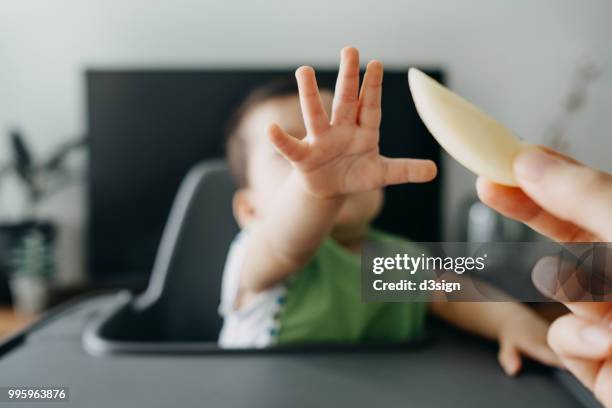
(341, 156)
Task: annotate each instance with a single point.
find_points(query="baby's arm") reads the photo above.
(285, 240)
(482, 318)
(336, 158)
(517, 328)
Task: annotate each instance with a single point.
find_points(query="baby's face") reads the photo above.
(267, 169)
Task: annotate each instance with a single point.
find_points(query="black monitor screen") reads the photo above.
(148, 127)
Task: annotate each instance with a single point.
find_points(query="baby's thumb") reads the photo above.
(509, 358)
(291, 148)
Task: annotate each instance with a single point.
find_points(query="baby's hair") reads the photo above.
(236, 149)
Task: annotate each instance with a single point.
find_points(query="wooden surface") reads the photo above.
(11, 322)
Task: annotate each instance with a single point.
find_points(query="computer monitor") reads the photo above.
(146, 128)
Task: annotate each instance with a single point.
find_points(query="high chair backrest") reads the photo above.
(185, 284)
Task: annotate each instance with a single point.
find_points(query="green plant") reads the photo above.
(34, 257)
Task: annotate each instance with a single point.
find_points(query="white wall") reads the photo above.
(515, 58)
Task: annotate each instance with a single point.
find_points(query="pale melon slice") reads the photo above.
(473, 138)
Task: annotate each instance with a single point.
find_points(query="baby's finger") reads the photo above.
(509, 358)
(315, 117)
(398, 171)
(347, 87)
(291, 148)
(370, 97)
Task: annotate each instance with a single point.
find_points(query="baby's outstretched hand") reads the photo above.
(524, 333)
(341, 156)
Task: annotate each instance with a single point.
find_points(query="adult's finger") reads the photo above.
(572, 336)
(315, 117)
(576, 286)
(581, 346)
(576, 275)
(596, 312)
(346, 99)
(569, 191)
(602, 388)
(370, 97)
(512, 202)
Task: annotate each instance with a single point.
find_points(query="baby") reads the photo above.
(310, 180)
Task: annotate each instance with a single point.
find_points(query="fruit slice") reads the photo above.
(473, 138)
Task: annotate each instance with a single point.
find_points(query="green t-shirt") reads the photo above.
(323, 303)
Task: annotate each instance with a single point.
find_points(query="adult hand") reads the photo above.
(567, 202)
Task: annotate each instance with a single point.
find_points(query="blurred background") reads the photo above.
(543, 68)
